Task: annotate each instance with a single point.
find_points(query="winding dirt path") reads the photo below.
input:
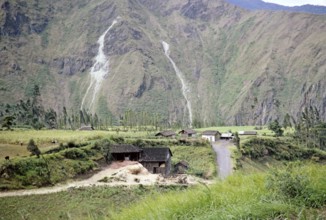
(126, 173)
(223, 158)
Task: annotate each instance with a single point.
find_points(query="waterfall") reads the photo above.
(98, 72)
(185, 88)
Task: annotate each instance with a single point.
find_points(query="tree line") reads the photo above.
(31, 113)
(309, 128)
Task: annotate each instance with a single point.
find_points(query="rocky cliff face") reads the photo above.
(242, 67)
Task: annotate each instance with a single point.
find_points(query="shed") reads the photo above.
(181, 167)
(157, 160)
(247, 132)
(170, 134)
(125, 152)
(212, 136)
(86, 128)
(188, 133)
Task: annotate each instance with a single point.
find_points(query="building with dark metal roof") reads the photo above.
(157, 160)
(188, 132)
(125, 152)
(166, 134)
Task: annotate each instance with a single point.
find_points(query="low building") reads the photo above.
(86, 128)
(226, 136)
(125, 152)
(181, 167)
(247, 132)
(157, 160)
(211, 136)
(168, 134)
(188, 133)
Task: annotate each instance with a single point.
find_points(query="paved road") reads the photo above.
(223, 158)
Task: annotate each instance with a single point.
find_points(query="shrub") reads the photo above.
(74, 154)
(298, 185)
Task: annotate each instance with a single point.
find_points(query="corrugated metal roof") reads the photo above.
(155, 154)
(166, 133)
(211, 133)
(188, 131)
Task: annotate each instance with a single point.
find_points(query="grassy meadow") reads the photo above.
(262, 187)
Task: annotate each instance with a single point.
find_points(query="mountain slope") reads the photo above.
(240, 67)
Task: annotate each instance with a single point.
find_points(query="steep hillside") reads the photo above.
(238, 67)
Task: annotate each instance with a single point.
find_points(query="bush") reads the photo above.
(297, 185)
(74, 153)
(279, 149)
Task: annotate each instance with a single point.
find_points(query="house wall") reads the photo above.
(150, 166)
(211, 138)
(123, 156)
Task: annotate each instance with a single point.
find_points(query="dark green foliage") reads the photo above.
(236, 140)
(8, 122)
(287, 121)
(104, 147)
(294, 183)
(310, 130)
(279, 149)
(50, 119)
(74, 154)
(32, 147)
(276, 128)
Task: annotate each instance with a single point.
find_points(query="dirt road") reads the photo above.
(117, 174)
(223, 158)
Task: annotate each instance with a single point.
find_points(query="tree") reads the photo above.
(32, 147)
(236, 140)
(276, 128)
(105, 146)
(287, 121)
(8, 121)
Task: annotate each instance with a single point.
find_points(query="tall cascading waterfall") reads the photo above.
(185, 87)
(98, 72)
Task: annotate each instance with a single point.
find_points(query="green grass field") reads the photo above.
(201, 159)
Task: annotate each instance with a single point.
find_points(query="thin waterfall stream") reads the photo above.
(98, 72)
(185, 88)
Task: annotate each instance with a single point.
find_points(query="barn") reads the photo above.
(125, 152)
(169, 134)
(157, 160)
(86, 128)
(211, 136)
(188, 133)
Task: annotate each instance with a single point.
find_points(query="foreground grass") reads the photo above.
(83, 203)
(239, 197)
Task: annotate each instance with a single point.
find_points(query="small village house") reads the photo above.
(157, 160)
(167, 134)
(86, 128)
(211, 136)
(125, 152)
(188, 133)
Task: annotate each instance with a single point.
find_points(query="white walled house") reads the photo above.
(211, 136)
